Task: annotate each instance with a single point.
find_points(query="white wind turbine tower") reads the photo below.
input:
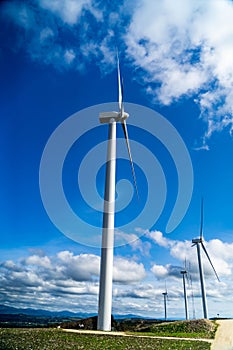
(198, 242)
(106, 268)
(184, 275)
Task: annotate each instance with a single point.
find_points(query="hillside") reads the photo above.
(194, 328)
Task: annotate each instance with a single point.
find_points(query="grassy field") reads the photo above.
(183, 329)
(56, 339)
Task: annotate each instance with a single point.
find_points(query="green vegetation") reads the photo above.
(56, 339)
(24, 321)
(185, 329)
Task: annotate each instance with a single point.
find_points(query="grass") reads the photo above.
(184, 329)
(56, 339)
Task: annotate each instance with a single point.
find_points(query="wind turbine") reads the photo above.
(165, 298)
(184, 275)
(198, 242)
(192, 293)
(106, 266)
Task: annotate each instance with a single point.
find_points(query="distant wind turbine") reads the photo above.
(192, 293)
(106, 268)
(198, 242)
(165, 298)
(184, 275)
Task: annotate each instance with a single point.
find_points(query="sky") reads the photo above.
(58, 72)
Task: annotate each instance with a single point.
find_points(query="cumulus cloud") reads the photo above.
(219, 252)
(11, 266)
(126, 271)
(168, 270)
(69, 281)
(143, 291)
(182, 54)
(64, 34)
(168, 276)
(43, 261)
(82, 267)
(68, 10)
(42, 27)
(158, 238)
(56, 281)
(174, 47)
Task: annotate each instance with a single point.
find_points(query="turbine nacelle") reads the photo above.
(107, 117)
(197, 240)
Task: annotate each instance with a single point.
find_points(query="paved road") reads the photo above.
(224, 336)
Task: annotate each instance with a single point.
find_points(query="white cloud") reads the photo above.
(68, 10)
(174, 46)
(69, 56)
(219, 252)
(143, 291)
(126, 271)
(180, 49)
(82, 267)
(159, 270)
(168, 270)
(69, 281)
(55, 282)
(55, 32)
(38, 261)
(10, 265)
(158, 238)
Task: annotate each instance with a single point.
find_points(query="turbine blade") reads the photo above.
(123, 123)
(122, 94)
(204, 248)
(201, 226)
(120, 87)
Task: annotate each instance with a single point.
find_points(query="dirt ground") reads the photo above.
(129, 335)
(224, 336)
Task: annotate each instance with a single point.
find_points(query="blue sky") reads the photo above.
(58, 58)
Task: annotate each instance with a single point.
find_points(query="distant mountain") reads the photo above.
(129, 316)
(8, 310)
(37, 312)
